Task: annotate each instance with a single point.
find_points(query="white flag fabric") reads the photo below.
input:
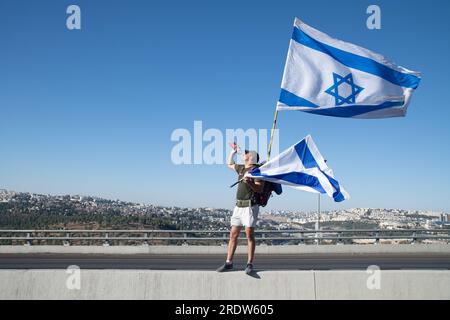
(326, 76)
(302, 167)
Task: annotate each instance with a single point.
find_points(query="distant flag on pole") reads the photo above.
(302, 167)
(326, 76)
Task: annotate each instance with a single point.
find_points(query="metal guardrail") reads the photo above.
(145, 237)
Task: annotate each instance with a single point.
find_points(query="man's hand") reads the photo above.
(256, 185)
(231, 164)
(235, 147)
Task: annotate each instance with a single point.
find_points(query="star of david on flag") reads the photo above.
(340, 81)
(326, 76)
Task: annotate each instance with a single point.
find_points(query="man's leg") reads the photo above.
(250, 233)
(232, 244)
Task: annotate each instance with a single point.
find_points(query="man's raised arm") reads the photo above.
(230, 162)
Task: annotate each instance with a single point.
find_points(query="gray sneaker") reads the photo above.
(225, 267)
(249, 268)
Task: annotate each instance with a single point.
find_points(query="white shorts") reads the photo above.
(246, 216)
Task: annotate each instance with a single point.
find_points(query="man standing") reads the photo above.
(245, 213)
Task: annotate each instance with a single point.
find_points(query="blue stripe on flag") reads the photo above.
(305, 155)
(355, 110)
(337, 195)
(299, 178)
(358, 62)
(290, 99)
(309, 161)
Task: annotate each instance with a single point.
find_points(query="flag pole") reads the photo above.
(272, 132)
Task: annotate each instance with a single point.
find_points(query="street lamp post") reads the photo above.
(318, 218)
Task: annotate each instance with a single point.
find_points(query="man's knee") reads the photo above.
(234, 234)
(250, 235)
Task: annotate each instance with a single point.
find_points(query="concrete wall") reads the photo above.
(152, 284)
(261, 249)
(179, 285)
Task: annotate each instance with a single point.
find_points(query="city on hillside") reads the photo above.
(19, 210)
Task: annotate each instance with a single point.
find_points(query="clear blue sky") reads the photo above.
(92, 111)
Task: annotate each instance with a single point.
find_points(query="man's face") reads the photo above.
(246, 158)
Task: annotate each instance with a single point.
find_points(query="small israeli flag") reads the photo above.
(326, 76)
(302, 167)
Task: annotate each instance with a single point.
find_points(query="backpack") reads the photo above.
(262, 198)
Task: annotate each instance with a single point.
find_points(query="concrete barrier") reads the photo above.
(261, 249)
(182, 285)
(403, 284)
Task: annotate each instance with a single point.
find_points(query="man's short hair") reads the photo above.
(253, 155)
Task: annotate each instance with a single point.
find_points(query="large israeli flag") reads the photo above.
(330, 77)
(302, 167)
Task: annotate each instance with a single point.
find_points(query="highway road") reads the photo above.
(263, 262)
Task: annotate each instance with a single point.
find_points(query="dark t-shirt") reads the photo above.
(244, 192)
